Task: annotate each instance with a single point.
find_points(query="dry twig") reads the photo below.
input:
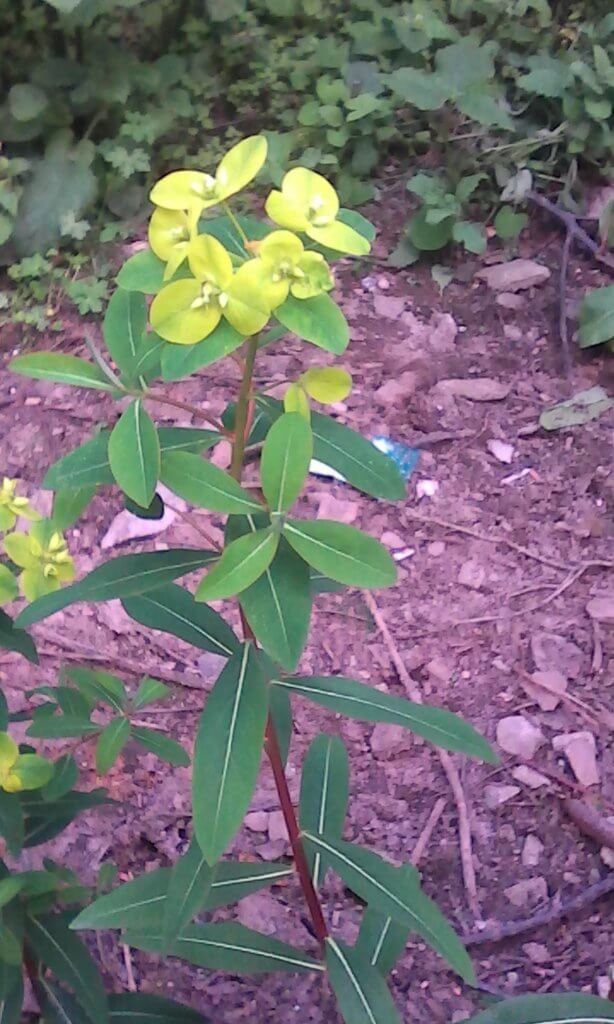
(425, 836)
(132, 987)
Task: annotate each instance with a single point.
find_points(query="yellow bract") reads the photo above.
(8, 585)
(169, 235)
(308, 202)
(327, 384)
(189, 190)
(12, 506)
(21, 771)
(286, 267)
(295, 400)
(43, 555)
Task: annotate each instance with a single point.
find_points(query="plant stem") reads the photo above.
(158, 396)
(271, 743)
(235, 222)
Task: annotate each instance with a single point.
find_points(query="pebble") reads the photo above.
(495, 796)
(601, 609)
(528, 890)
(516, 735)
(436, 548)
(439, 670)
(501, 450)
(580, 750)
(388, 740)
(551, 651)
(388, 306)
(508, 300)
(529, 777)
(536, 952)
(477, 389)
(531, 851)
(514, 276)
(545, 683)
(257, 821)
(277, 827)
(397, 388)
(471, 575)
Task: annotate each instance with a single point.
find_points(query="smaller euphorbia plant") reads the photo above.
(223, 284)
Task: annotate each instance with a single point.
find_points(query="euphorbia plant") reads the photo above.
(230, 285)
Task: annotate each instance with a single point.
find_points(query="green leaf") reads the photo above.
(205, 485)
(187, 892)
(65, 776)
(120, 577)
(11, 993)
(280, 711)
(111, 742)
(227, 947)
(179, 361)
(508, 224)
(228, 751)
(68, 505)
(123, 329)
(9, 887)
(550, 76)
(242, 563)
(162, 746)
(143, 272)
(10, 946)
(581, 408)
(58, 1006)
(11, 823)
(149, 691)
(98, 686)
(142, 1008)
(422, 89)
(60, 950)
(398, 895)
(286, 455)
(26, 101)
(61, 369)
(362, 993)
(62, 727)
(134, 454)
(350, 454)
(472, 236)
(426, 236)
(567, 1008)
(155, 509)
(341, 552)
(597, 317)
(381, 940)
(357, 700)
(324, 794)
(172, 609)
(14, 639)
(318, 320)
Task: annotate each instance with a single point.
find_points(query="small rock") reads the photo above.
(601, 609)
(257, 821)
(604, 986)
(495, 796)
(261, 911)
(397, 388)
(426, 488)
(443, 334)
(392, 540)
(277, 827)
(388, 740)
(607, 855)
(516, 735)
(210, 665)
(477, 389)
(221, 455)
(545, 688)
(273, 850)
(529, 890)
(472, 575)
(331, 507)
(552, 651)
(126, 526)
(502, 451)
(531, 851)
(529, 777)
(512, 333)
(580, 750)
(510, 301)
(436, 548)
(514, 276)
(537, 952)
(388, 306)
(439, 670)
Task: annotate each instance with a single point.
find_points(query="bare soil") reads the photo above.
(466, 646)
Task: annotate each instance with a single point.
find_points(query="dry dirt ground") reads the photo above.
(471, 616)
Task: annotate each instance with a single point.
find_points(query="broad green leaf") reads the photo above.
(398, 895)
(65, 776)
(141, 902)
(188, 888)
(357, 700)
(567, 1008)
(426, 236)
(14, 639)
(324, 794)
(143, 272)
(123, 328)
(228, 751)
(142, 1008)
(205, 485)
(9, 887)
(227, 947)
(134, 454)
(62, 727)
(172, 609)
(68, 505)
(581, 408)
(350, 454)
(58, 1006)
(89, 464)
(26, 101)
(179, 361)
(508, 223)
(111, 742)
(162, 746)
(11, 993)
(362, 993)
(472, 236)
(62, 951)
(422, 89)
(61, 369)
(70, 805)
(11, 822)
(381, 940)
(318, 320)
(286, 455)
(341, 552)
(120, 577)
(10, 946)
(242, 563)
(597, 317)
(149, 691)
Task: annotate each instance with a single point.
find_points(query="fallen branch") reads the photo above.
(425, 836)
(553, 913)
(590, 821)
(573, 228)
(563, 332)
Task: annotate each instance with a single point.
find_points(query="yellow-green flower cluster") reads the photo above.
(42, 553)
(243, 292)
(21, 771)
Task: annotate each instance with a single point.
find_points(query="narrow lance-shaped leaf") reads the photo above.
(14, 639)
(111, 742)
(11, 987)
(134, 454)
(341, 552)
(324, 794)
(123, 328)
(241, 564)
(362, 993)
(357, 700)
(189, 886)
(378, 882)
(143, 1008)
(228, 751)
(227, 947)
(61, 369)
(161, 745)
(205, 485)
(60, 949)
(285, 460)
(564, 1008)
(381, 939)
(172, 609)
